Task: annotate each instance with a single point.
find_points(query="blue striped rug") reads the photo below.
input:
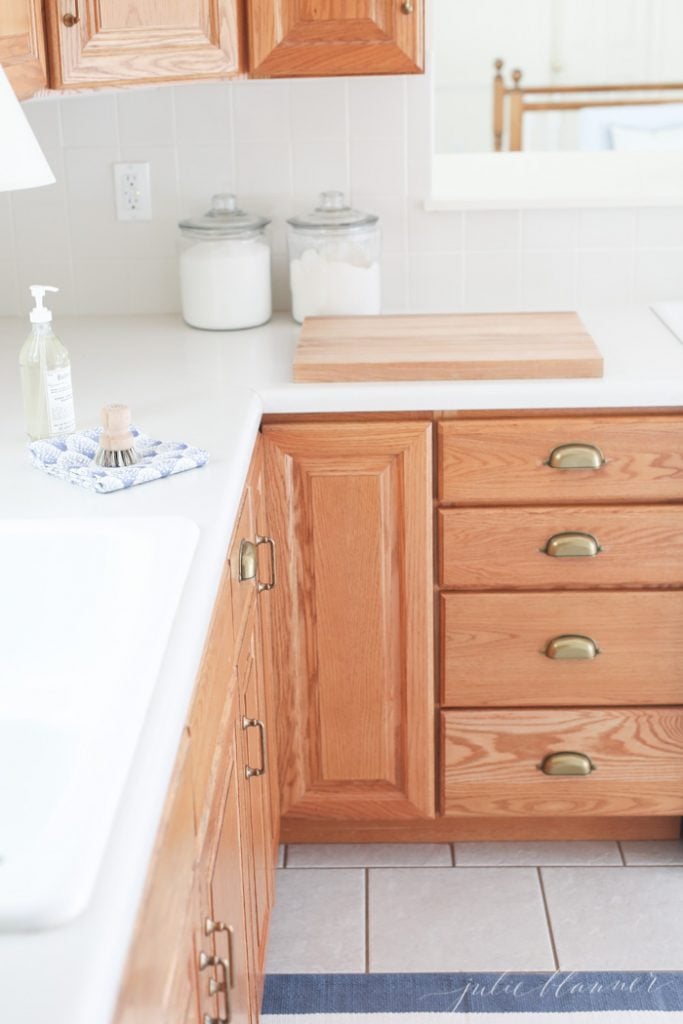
(512, 998)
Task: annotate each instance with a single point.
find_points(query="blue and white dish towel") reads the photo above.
(73, 458)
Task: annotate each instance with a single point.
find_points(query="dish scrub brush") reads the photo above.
(117, 447)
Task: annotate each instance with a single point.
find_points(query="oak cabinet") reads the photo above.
(351, 511)
(291, 38)
(22, 45)
(105, 42)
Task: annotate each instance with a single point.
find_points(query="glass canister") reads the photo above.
(334, 255)
(225, 268)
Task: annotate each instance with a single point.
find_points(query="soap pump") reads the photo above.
(45, 375)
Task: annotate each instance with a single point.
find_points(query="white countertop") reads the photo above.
(211, 389)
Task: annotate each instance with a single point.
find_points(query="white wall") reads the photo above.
(278, 144)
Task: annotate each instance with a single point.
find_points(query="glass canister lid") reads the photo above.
(224, 220)
(332, 214)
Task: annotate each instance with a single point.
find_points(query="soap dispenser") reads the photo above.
(45, 375)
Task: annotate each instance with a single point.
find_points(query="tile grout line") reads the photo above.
(546, 909)
(366, 880)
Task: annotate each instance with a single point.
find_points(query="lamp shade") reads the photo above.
(22, 164)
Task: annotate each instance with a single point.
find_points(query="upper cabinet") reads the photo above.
(293, 38)
(22, 45)
(111, 42)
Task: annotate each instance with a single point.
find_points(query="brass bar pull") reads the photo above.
(572, 545)
(256, 723)
(248, 562)
(271, 544)
(567, 762)
(571, 647)
(407, 7)
(576, 456)
(69, 20)
(210, 927)
(216, 987)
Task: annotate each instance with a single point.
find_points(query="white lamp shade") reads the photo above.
(22, 164)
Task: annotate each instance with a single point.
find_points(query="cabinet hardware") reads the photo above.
(216, 987)
(211, 926)
(69, 20)
(576, 456)
(256, 723)
(567, 762)
(572, 545)
(571, 647)
(248, 562)
(407, 7)
(271, 544)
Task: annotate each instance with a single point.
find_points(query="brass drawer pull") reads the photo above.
(576, 456)
(271, 544)
(210, 928)
(571, 647)
(216, 987)
(407, 7)
(567, 762)
(256, 723)
(572, 545)
(247, 560)
(69, 20)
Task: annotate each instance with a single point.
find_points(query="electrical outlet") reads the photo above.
(133, 192)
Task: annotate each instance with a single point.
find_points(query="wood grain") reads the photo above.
(22, 46)
(143, 41)
(457, 346)
(351, 513)
(491, 762)
(502, 549)
(334, 37)
(504, 462)
(493, 649)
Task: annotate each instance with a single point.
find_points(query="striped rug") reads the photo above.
(568, 997)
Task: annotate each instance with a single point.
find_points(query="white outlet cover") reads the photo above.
(132, 191)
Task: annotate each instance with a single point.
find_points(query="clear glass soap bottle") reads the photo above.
(45, 375)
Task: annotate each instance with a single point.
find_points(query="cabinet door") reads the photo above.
(290, 38)
(22, 47)
(351, 510)
(118, 43)
(255, 794)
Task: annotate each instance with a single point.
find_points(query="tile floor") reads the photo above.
(478, 907)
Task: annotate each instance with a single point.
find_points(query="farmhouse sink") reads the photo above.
(86, 610)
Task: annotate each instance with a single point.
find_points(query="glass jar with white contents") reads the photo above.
(334, 254)
(225, 268)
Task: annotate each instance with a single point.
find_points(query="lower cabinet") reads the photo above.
(199, 945)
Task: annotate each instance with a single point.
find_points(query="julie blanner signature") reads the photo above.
(556, 986)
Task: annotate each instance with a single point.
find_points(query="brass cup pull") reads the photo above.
(571, 647)
(256, 723)
(567, 762)
(576, 456)
(572, 545)
(271, 544)
(248, 564)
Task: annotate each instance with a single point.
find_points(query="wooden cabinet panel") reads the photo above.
(501, 549)
(351, 513)
(335, 37)
(492, 762)
(506, 461)
(22, 45)
(493, 649)
(115, 43)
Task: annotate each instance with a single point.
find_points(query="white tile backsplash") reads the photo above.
(278, 144)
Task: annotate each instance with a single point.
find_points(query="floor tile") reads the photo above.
(615, 919)
(370, 855)
(318, 923)
(484, 919)
(666, 851)
(533, 854)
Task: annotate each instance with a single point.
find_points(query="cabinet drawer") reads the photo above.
(497, 649)
(505, 549)
(489, 462)
(492, 759)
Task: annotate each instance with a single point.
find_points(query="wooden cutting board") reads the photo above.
(454, 346)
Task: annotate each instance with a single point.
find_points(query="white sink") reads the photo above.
(86, 610)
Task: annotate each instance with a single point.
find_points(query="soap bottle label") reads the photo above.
(60, 401)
